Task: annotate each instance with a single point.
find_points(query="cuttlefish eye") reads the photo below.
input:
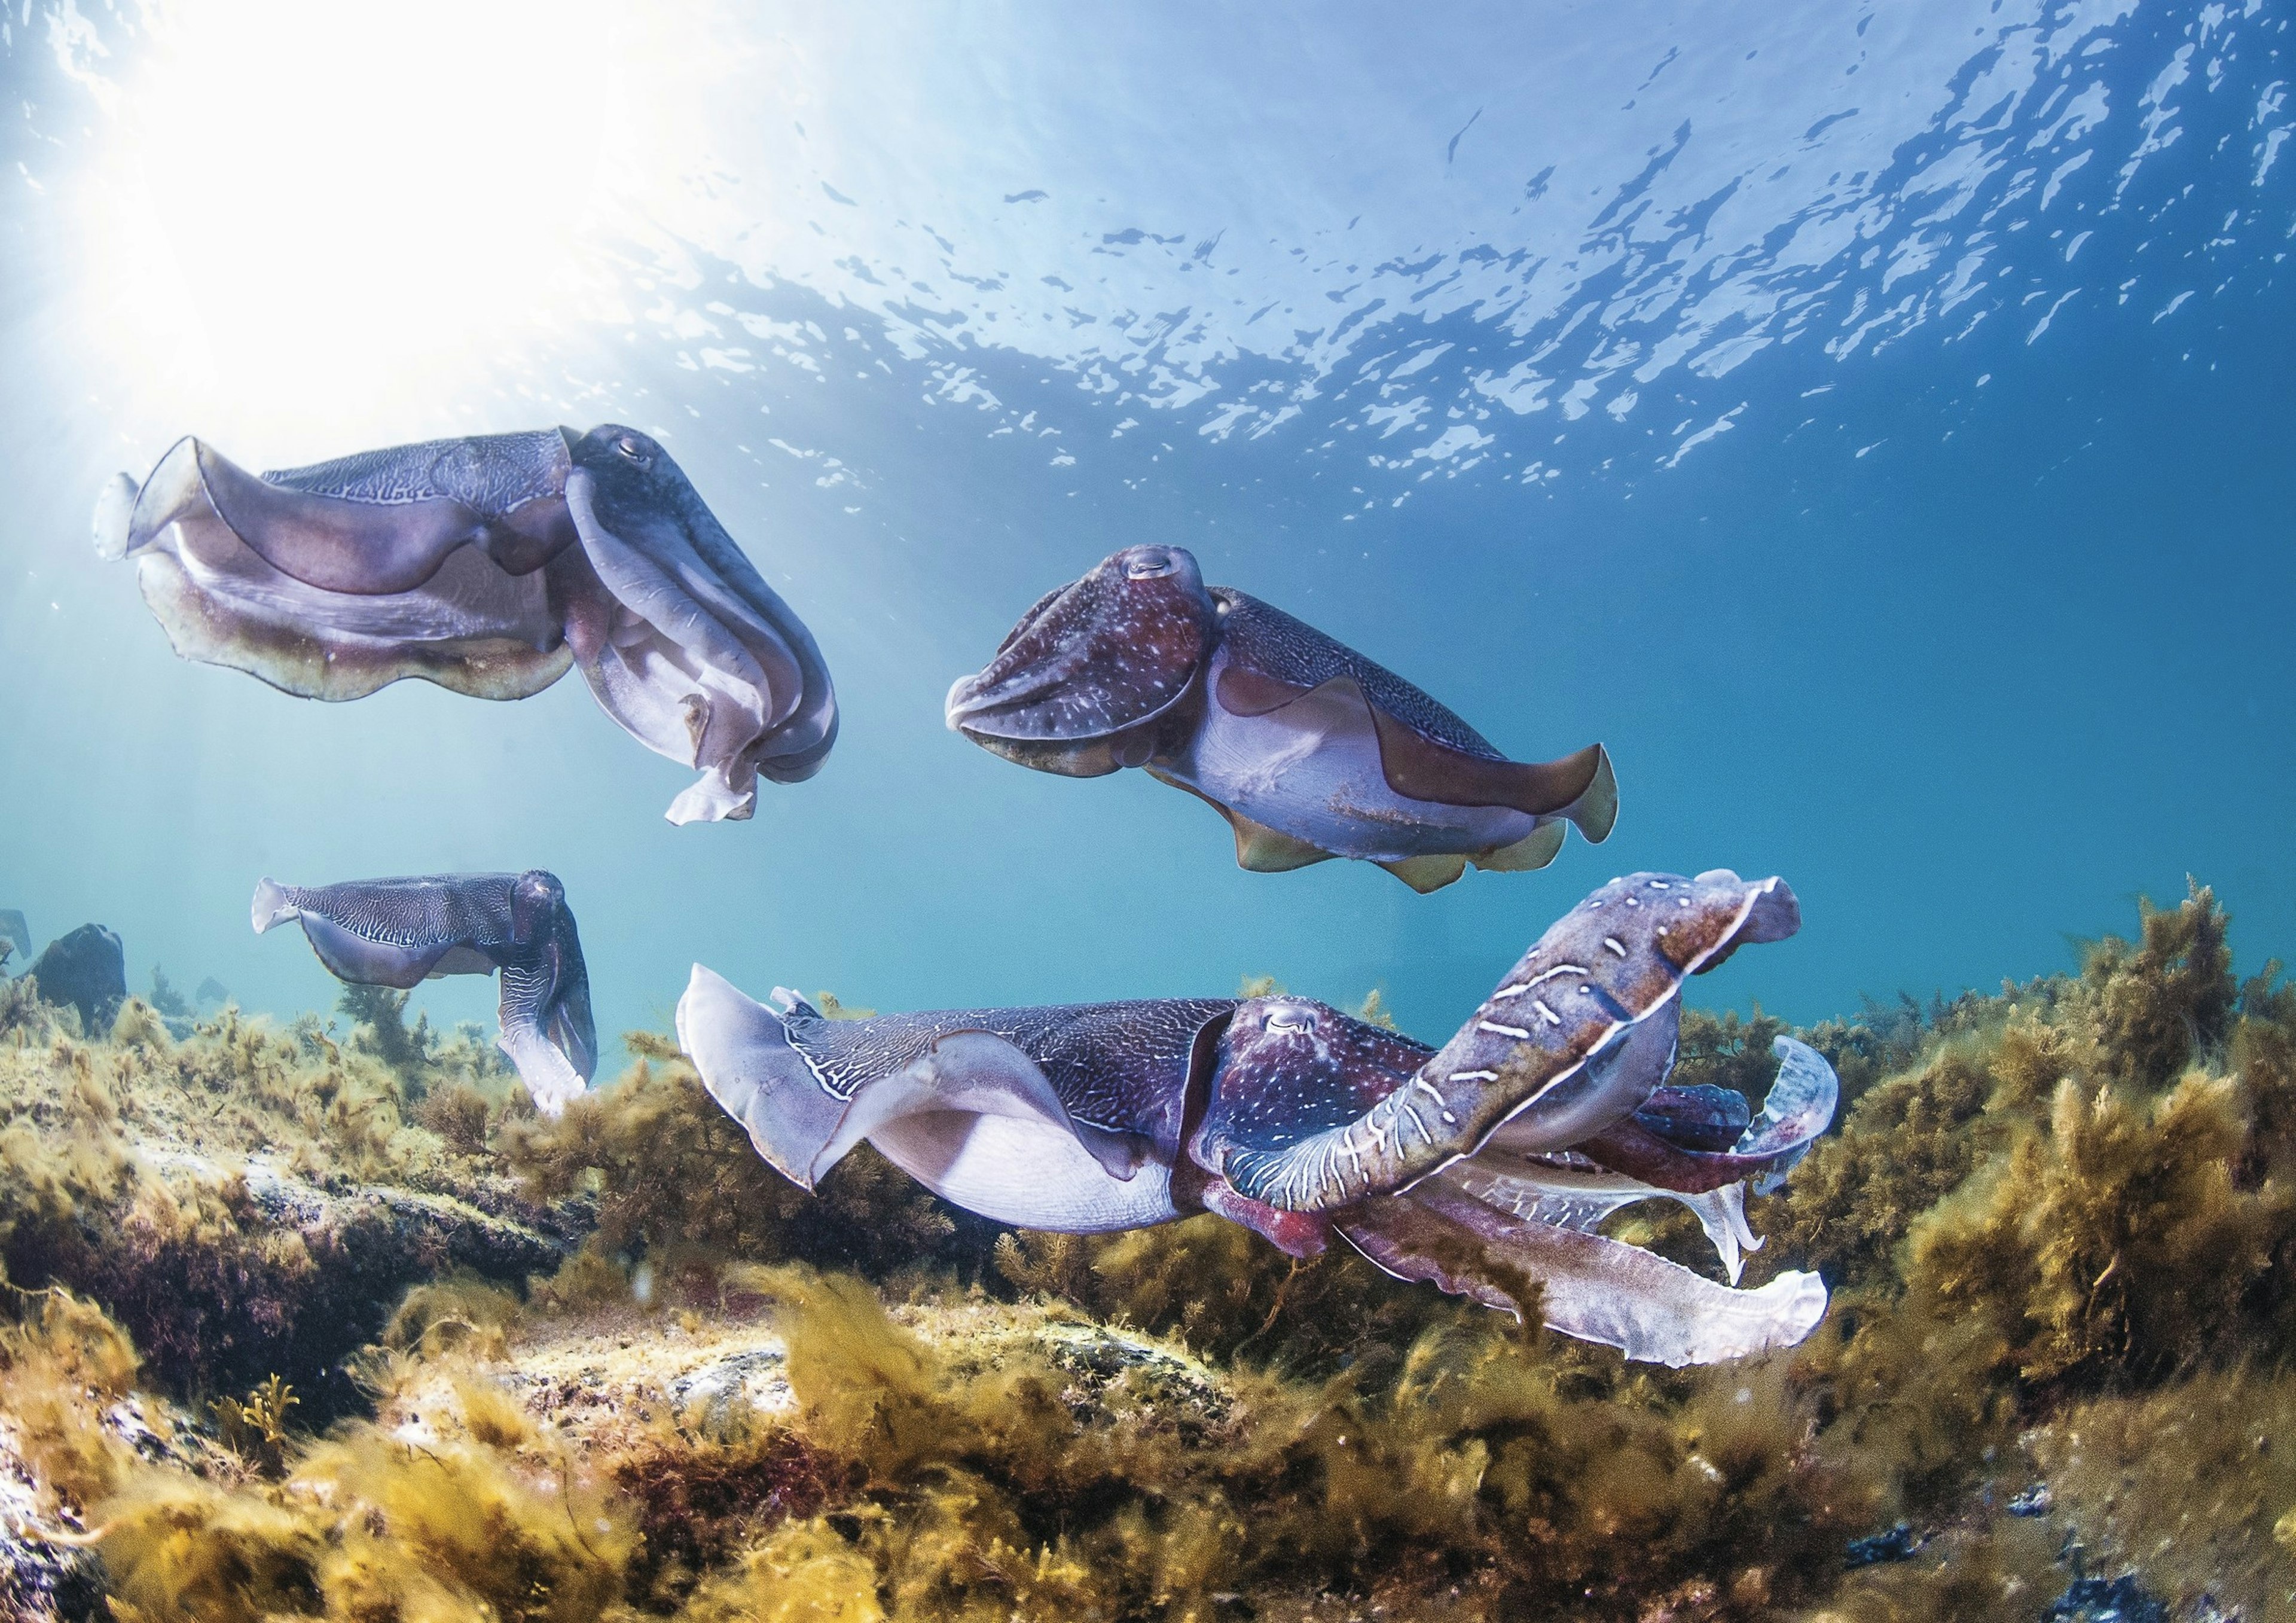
(631, 446)
(1290, 1019)
(1149, 565)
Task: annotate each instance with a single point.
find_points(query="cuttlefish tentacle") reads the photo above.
(1309, 750)
(1594, 1289)
(399, 932)
(1592, 1179)
(1798, 1108)
(1522, 1059)
(488, 565)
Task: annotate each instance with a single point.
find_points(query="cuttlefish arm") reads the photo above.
(680, 638)
(1799, 1107)
(331, 581)
(1459, 1168)
(1530, 1056)
(1594, 1289)
(399, 932)
(1081, 684)
(966, 1102)
(1580, 1187)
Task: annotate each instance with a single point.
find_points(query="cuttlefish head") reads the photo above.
(1083, 684)
(536, 897)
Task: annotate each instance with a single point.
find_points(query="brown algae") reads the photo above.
(310, 1322)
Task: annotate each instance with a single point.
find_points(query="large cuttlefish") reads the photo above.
(488, 565)
(1489, 1161)
(1309, 750)
(400, 932)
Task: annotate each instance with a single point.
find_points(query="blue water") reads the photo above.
(1872, 422)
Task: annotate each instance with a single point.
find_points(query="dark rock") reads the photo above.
(2097, 1600)
(87, 970)
(1899, 1543)
(295, 1284)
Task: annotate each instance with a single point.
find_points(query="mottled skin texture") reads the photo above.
(489, 565)
(1546, 1111)
(399, 932)
(1309, 750)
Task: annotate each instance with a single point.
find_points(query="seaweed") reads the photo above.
(677, 1181)
(2225, 1528)
(380, 1029)
(612, 1366)
(245, 1203)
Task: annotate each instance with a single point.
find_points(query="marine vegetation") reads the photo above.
(1141, 664)
(488, 565)
(2053, 1219)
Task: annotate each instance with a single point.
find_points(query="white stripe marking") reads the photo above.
(1516, 1032)
(1475, 1076)
(1546, 1014)
(1521, 987)
(1613, 944)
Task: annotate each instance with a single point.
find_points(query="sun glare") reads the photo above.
(322, 219)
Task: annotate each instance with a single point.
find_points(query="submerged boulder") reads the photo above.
(86, 969)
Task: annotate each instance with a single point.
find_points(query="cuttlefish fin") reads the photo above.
(976, 1073)
(1534, 851)
(1258, 849)
(1262, 849)
(971, 1091)
(1429, 872)
(334, 543)
(742, 1050)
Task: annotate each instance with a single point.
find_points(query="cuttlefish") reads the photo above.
(1309, 750)
(488, 565)
(400, 932)
(1472, 1167)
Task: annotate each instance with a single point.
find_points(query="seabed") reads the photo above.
(323, 1320)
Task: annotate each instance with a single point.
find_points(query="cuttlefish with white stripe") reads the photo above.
(1492, 1158)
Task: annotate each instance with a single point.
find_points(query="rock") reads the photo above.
(87, 970)
(2097, 1600)
(1897, 1543)
(299, 1280)
(42, 1579)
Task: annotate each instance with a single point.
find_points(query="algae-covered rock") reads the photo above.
(322, 1322)
(86, 970)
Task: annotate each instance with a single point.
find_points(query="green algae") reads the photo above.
(2057, 1220)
